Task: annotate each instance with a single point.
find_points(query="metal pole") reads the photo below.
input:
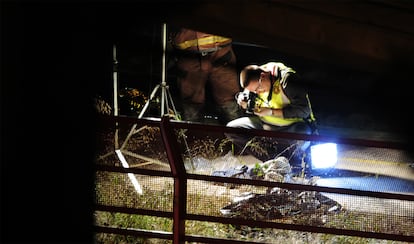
(115, 95)
(115, 79)
(163, 83)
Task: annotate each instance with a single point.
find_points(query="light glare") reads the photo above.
(131, 176)
(323, 155)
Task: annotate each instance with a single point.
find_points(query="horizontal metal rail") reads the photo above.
(180, 176)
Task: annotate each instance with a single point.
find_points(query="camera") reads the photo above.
(250, 98)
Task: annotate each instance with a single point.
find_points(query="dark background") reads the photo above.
(57, 56)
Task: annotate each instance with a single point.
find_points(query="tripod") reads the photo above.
(167, 106)
(166, 99)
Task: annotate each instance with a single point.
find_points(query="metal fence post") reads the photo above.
(180, 179)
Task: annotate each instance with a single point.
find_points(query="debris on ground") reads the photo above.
(277, 202)
(280, 203)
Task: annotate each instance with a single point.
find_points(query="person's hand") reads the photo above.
(241, 100)
(243, 104)
(263, 111)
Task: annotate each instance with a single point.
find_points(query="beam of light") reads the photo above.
(131, 176)
(324, 155)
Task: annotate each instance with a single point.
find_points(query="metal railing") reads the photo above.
(180, 178)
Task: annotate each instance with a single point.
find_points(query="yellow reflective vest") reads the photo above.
(192, 40)
(278, 99)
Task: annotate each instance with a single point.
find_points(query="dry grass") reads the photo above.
(207, 199)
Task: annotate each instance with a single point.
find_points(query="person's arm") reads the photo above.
(298, 107)
(263, 111)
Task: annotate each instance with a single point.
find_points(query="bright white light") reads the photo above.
(131, 176)
(323, 155)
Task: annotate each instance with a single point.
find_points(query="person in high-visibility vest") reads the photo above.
(206, 70)
(274, 99)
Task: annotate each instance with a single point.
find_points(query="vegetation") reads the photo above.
(206, 198)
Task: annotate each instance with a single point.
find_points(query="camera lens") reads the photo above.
(251, 102)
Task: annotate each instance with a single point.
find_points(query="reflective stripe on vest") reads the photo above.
(205, 42)
(277, 102)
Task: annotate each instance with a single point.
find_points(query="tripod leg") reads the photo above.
(169, 97)
(132, 131)
(149, 100)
